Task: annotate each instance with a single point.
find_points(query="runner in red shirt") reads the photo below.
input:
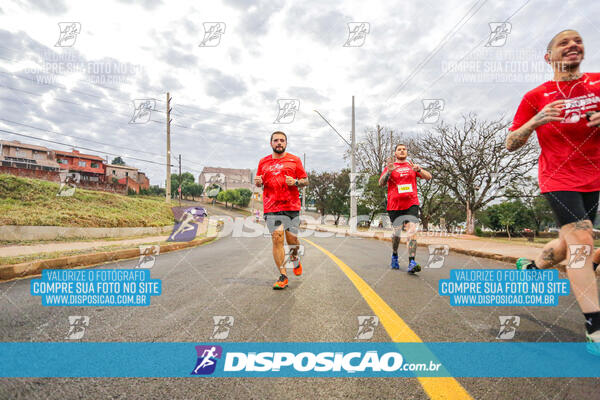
(403, 203)
(281, 174)
(564, 114)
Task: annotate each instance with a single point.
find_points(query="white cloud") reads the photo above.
(270, 50)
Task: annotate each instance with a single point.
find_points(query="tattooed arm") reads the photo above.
(517, 138)
(384, 178)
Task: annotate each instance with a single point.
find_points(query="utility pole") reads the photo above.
(179, 180)
(353, 174)
(304, 188)
(352, 144)
(168, 183)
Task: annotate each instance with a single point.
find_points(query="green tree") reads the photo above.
(509, 216)
(117, 161)
(319, 190)
(339, 197)
(373, 201)
(244, 196)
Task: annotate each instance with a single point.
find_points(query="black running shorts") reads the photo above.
(289, 219)
(569, 207)
(399, 217)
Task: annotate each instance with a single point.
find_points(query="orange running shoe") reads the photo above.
(298, 269)
(281, 283)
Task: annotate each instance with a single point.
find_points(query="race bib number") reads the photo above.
(406, 188)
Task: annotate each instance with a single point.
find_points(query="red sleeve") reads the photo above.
(300, 172)
(525, 112)
(259, 170)
(384, 172)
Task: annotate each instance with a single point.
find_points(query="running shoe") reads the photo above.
(413, 267)
(281, 283)
(298, 269)
(593, 343)
(394, 263)
(525, 263)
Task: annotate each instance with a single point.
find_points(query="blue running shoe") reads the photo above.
(394, 263)
(413, 267)
(593, 343)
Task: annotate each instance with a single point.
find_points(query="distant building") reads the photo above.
(130, 176)
(22, 155)
(121, 171)
(227, 178)
(143, 180)
(88, 167)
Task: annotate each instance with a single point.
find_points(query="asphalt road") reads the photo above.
(233, 277)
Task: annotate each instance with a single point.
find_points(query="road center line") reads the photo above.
(399, 331)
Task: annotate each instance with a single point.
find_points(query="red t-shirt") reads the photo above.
(402, 187)
(277, 195)
(570, 156)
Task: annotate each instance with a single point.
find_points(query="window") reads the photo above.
(62, 161)
(114, 172)
(95, 165)
(82, 163)
(126, 173)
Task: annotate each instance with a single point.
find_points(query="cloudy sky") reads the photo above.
(79, 91)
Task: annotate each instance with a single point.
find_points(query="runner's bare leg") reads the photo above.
(583, 280)
(278, 251)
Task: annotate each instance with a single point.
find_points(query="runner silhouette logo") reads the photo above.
(207, 359)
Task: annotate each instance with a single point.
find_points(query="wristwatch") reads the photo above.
(296, 183)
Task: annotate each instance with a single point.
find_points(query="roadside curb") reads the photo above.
(33, 268)
(473, 253)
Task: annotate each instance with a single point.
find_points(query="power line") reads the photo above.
(71, 102)
(78, 137)
(120, 125)
(80, 147)
(462, 58)
(439, 46)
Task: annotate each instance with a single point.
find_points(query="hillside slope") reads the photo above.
(25, 201)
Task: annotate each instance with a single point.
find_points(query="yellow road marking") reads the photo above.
(399, 331)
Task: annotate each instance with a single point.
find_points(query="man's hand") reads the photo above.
(290, 181)
(415, 167)
(390, 165)
(258, 180)
(594, 119)
(549, 113)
